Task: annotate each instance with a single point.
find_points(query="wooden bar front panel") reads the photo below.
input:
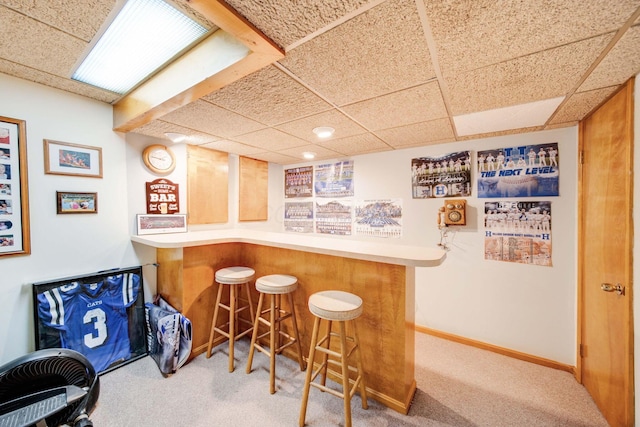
(386, 327)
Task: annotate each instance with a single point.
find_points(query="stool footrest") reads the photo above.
(353, 388)
(290, 341)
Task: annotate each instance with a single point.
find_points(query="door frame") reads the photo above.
(629, 86)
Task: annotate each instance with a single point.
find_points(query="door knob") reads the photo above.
(608, 287)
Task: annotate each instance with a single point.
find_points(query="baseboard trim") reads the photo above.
(500, 350)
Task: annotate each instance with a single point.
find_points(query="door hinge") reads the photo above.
(582, 157)
(581, 350)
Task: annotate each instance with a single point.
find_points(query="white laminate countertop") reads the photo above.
(416, 256)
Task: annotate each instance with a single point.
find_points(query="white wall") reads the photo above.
(61, 245)
(526, 308)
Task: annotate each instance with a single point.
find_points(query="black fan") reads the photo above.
(59, 386)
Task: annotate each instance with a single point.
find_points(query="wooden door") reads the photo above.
(605, 364)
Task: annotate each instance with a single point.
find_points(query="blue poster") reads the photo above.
(522, 171)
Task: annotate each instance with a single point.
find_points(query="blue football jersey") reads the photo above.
(92, 317)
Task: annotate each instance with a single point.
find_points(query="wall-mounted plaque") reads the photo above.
(162, 197)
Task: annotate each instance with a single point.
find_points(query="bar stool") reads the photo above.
(234, 278)
(275, 286)
(341, 307)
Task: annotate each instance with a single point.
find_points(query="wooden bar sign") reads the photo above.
(162, 197)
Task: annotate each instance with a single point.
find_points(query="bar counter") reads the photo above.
(383, 275)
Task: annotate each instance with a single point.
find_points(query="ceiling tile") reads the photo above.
(206, 117)
(33, 44)
(279, 99)
(232, 147)
(418, 104)
(47, 79)
(377, 52)
(158, 128)
(580, 104)
(286, 22)
(278, 158)
(303, 128)
(543, 75)
(500, 133)
(418, 133)
(475, 33)
(270, 139)
(82, 19)
(321, 153)
(358, 144)
(623, 61)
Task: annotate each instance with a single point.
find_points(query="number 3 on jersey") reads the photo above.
(98, 318)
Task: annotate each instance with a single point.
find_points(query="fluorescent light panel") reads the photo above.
(144, 35)
(507, 118)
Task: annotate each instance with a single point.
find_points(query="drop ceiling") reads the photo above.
(386, 74)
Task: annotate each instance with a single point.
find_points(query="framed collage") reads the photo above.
(14, 194)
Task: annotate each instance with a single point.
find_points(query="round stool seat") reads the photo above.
(335, 305)
(276, 284)
(234, 275)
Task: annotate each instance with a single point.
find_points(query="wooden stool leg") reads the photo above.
(296, 334)
(307, 381)
(273, 345)
(363, 388)
(254, 335)
(251, 312)
(346, 389)
(214, 320)
(232, 324)
(325, 356)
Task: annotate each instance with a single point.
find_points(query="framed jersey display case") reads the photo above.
(100, 315)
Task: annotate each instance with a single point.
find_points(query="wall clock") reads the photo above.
(159, 159)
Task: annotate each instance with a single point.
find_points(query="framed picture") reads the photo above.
(70, 313)
(14, 193)
(72, 203)
(63, 158)
(160, 224)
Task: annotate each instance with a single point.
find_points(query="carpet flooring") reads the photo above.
(458, 385)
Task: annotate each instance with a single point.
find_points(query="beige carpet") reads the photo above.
(457, 386)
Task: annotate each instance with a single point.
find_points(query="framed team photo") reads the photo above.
(100, 315)
(161, 224)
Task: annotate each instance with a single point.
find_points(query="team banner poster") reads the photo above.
(379, 218)
(518, 232)
(298, 182)
(444, 176)
(524, 171)
(334, 180)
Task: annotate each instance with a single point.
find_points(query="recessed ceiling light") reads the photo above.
(324, 131)
(309, 155)
(175, 137)
(143, 36)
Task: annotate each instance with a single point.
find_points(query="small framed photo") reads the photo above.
(63, 158)
(160, 224)
(72, 203)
